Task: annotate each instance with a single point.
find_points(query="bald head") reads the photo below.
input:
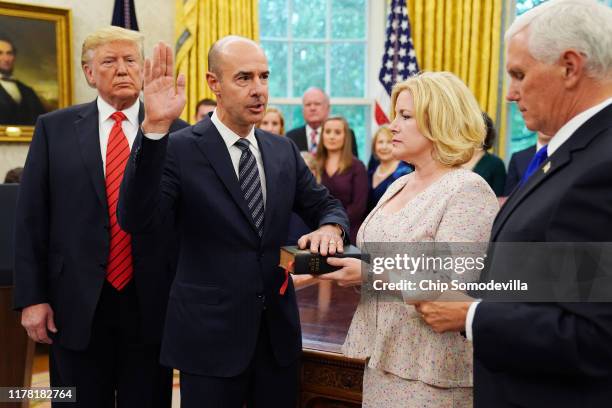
(238, 76)
(227, 47)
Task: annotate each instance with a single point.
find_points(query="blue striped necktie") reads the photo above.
(539, 158)
(248, 176)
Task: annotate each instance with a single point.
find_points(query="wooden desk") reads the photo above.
(329, 379)
(16, 349)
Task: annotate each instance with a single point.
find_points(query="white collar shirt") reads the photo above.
(230, 138)
(309, 132)
(106, 123)
(573, 124)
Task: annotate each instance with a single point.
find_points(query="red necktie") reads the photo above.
(119, 269)
(313, 141)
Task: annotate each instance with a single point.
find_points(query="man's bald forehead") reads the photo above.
(221, 46)
(315, 91)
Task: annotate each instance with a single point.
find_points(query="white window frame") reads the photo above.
(375, 21)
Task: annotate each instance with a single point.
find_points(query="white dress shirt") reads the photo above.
(11, 88)
(557, 140)
(230, 138)
(106, 123)
(308, 132)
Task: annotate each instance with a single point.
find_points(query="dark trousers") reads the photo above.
(265, 384)
(117, 366)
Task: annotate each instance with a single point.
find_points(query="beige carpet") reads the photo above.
(42, 380)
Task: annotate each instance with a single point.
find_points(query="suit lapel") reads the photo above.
(87, 132)
(211, 144)
(559, 159)
(272, 170)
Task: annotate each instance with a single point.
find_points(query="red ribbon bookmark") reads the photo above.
(283, 287)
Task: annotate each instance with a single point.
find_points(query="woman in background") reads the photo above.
(273, 121)
(436, 126)
(388, 169)
(342, 173)
(487, 165)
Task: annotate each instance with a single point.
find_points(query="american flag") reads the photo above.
(399, 61)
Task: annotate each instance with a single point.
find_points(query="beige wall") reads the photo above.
(156, 22)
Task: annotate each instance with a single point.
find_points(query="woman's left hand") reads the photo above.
(348, 275)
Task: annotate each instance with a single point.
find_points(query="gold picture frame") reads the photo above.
(40, 68)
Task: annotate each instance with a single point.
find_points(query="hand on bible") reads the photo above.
(163, 99)
(349, 273)
(326, 240)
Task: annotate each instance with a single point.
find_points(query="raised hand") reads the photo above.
(163, 99)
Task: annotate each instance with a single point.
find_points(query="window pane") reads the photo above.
(521, 137)
(357, 117)
(308, 18)
(348, 70)
(273, 18)
(276, 51)
(308, 67)
(348, 19)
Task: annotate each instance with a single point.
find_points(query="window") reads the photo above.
(319, 43)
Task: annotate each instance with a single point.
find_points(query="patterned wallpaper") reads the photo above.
(156, 21)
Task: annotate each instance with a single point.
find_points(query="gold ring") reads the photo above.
(332, 242)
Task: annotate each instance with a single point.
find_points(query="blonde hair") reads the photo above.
(109, 34)
(446, 113)
(280, 116)
(346, 156)
(383, 130)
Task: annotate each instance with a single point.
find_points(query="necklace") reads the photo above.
(380, 173)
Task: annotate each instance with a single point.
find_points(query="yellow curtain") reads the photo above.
(199, 23)
(464, 37)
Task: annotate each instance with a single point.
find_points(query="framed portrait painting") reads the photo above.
(35, 66)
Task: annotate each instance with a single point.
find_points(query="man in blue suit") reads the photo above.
(95, 293)
(232, 326)
(557, 354)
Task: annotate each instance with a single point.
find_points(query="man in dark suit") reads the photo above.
(93, 292)
(520, 161)
(233, 326)
(315, 109)
(550, 354)
(19, 104)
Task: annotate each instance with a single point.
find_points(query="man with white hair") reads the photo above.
(559, 59)
(95, 293)
(315, 109)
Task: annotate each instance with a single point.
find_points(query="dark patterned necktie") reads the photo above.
(248, 177)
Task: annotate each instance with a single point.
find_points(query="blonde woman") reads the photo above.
(273, 121)
(388, 168)
(437, 125)
(342, 173)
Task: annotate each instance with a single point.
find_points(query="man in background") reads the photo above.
(315, 109)
(95, 293)
(204, 107)
(13, 175)
(520, 161)
(19, 104)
